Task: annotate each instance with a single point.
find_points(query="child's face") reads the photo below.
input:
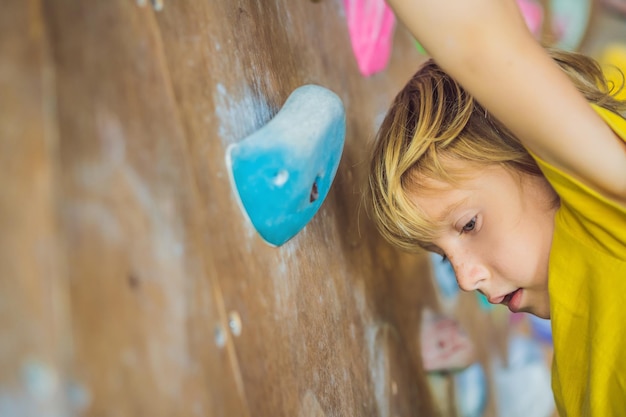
(497, 234)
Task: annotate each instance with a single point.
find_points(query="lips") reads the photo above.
(512, 300)
(497, 300)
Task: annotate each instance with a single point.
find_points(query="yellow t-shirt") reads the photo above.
(587, 285)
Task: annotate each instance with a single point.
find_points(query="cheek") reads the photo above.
(523, 253)
(510, 250)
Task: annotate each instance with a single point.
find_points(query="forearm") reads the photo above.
(458, 34)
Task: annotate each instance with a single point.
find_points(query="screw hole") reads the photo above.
(220, 336)
(157, 5)
(234, 322)
(133, 281)
(315, 193)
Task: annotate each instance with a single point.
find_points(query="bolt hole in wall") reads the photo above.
(219, 335)
(157, 5)
(234, 323)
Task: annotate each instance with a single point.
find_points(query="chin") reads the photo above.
(540, 314)
(539, 307)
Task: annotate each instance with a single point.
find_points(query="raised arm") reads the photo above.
(485, 46)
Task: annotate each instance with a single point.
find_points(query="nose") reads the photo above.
(471, 273)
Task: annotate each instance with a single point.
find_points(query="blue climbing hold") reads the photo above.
(282, 173)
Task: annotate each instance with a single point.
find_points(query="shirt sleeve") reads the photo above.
(597, 219)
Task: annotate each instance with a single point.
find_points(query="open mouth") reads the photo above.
(507, 298)
(513, 300)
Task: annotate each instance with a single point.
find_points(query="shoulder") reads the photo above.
(585, 212)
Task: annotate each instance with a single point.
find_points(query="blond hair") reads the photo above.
(433, 120)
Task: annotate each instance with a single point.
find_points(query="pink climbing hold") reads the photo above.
(533, 15)
(371, 24)
(445, 346)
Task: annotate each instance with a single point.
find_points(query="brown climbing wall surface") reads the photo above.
(131, 284)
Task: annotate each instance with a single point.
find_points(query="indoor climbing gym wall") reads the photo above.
(183, 230)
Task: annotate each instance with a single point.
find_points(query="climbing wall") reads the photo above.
(131, 284)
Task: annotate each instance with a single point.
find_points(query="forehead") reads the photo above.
(490, 185)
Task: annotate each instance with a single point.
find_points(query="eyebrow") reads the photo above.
(448, 211)
(431, 247)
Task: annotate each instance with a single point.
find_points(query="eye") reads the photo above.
(471, 225)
